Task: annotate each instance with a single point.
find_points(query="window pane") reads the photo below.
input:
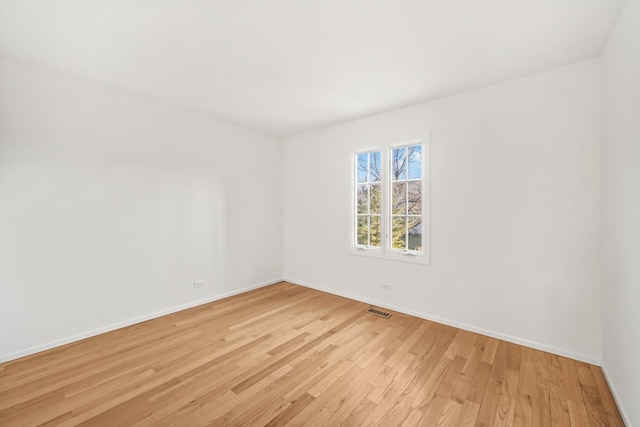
(415, 197)
(399, 164)
(399, 198)
(374, 166)
(415, 234)
(363, 199)
(363, 230)
(399, 232)
(415, 162)
(376, 195)
(363, 162)
(376, 232)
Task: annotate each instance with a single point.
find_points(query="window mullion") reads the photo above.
(369, 205)
(406, 200)
(384, 202)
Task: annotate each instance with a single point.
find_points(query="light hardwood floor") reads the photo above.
(288, 355)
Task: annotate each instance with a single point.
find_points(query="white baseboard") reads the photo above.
(471, 328)
(615, 394)
(129, 322)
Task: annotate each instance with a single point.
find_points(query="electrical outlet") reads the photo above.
(385, 287)
(198, 284)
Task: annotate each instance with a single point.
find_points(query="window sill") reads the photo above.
(391, 256)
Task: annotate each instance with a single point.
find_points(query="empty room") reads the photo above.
(320, 213)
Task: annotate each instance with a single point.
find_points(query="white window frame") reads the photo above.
(385, 250)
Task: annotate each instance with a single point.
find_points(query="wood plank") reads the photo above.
(507, 400)
(450, 414)
(528, 381)
(523, 415)
(413, 419)
(290, 411)
(558, 393)
(591, 396)
(541, 407)
(489, 405)
(578, 414)
(602, 386)
(572, 384)
(469, 413)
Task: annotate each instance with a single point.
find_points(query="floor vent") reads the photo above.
(379, 313)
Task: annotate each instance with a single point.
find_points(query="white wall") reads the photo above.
(621, 211)
(514, 211)
(111, 206)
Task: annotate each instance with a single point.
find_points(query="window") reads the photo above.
(389, 203)
(406, 198)
(369, 199)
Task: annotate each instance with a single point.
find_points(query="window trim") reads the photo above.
(385, 251)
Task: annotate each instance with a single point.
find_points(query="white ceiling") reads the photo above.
(286, 66)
